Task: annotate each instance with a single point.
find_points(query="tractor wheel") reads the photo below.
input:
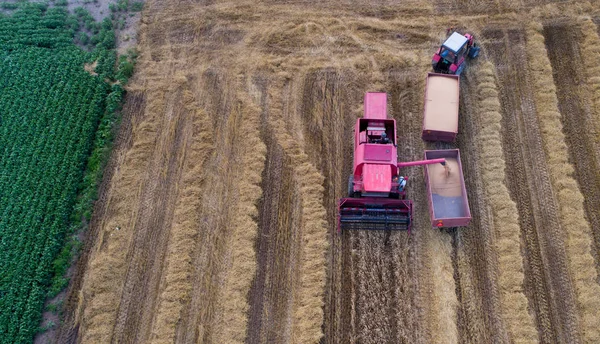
(351, 186)
(473, 51)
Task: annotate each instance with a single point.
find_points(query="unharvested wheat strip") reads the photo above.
(101, 289)
(443, 297)
(439, 294)
(232, 318)
(570, 200)
(590, 46)
(307, 312)
(505, 216)
(353, 258)
(182, 240)
(472, 314)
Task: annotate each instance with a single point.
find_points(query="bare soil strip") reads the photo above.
(277, 245)
(570, 201)
(590, 47)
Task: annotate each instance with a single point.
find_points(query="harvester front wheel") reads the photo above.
(351, 186)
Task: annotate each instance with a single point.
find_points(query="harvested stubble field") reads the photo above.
(216, 221)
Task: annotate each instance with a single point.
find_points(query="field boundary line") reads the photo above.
(566, 191)
(507, 241)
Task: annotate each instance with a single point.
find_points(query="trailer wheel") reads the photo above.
(351, 186)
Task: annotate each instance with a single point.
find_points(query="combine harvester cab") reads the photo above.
(376, 197)
(440, 113)
(446, 192)
(451, 56)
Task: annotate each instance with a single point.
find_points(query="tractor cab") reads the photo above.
(450, 57)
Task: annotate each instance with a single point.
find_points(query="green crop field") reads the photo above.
(50, 111)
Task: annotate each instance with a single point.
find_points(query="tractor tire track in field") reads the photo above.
(547, 283)
(573, 103)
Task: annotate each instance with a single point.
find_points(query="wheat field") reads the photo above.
(216, 221)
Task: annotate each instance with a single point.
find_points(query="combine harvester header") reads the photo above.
(376, 190)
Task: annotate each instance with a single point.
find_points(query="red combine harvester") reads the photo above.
(376, 190)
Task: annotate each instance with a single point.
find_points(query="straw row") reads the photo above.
(232, 317)
(308, 302)
(184, 233)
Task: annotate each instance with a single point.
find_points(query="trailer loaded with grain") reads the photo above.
(446, 192)
(440, 112)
